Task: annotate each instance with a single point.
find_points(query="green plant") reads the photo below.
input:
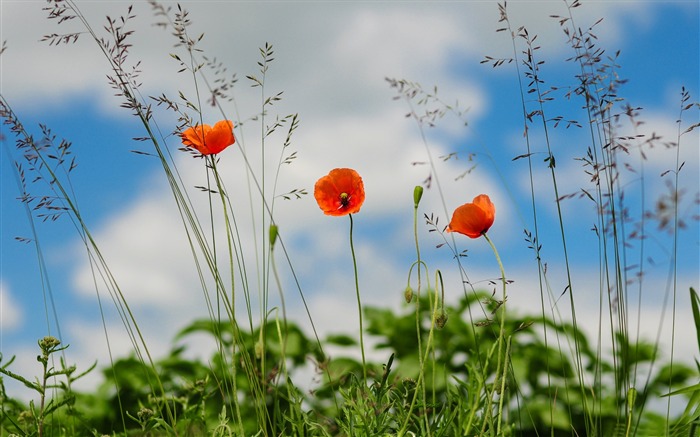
(55, 394)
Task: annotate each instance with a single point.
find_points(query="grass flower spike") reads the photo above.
(340, 192)
(473, 219)
(209, 140)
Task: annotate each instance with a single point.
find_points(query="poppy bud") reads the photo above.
(408, 294)
(273, 236)
(417, 194)
(441, 320)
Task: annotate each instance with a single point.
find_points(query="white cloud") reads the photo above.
(147, 251)
(384, 41)
(593, 311)
(11, 313)
(321, 47)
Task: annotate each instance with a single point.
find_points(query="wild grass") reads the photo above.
(471, 366)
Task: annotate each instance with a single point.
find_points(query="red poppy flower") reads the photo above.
(473, 219)
(341, 192)
(209, 140)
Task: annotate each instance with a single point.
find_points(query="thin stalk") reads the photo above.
(501, 334)
(417, 195)
(359, 305)
(533, 191)
(282, 331)
(674, 254)
(232, 308)
(416, 199)
(503, 385)
(421, 375)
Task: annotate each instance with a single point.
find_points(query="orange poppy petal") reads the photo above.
(470, 220)
(349, 181)
(193, 137)
(209, 140)
(327, 196)
(343, 178)
(484, 202)
(220, 137)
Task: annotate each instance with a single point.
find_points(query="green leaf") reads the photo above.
(54, 405)
(695, 303)
(341, 340)
(684, 390)
(20, 378)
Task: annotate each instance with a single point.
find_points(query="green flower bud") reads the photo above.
(259, 349)
(408, 294)
(441, 320)
(273, 235)
(25, 417)
(145, 414)
(417, 194)
(48, 343)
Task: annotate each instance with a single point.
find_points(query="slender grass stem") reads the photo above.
(533, 202)
(232, 307)
(674, 249)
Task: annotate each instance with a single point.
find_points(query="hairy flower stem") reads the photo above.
(359, 305)
(420, 386)
(502, 360)
(418, 192)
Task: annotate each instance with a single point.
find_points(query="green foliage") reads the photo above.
(54, 412)
(542, 391)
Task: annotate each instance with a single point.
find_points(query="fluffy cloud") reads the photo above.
(321, 47)
(10, 311)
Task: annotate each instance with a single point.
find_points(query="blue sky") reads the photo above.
(331, 61)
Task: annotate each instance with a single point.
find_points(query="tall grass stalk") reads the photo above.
(532, 74)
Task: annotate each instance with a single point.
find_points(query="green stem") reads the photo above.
(416, 199)
(219, 284)
(420, 384)
(503, 374)
(359, 305)
(42, 401)
(500, 265)
(501, 334)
